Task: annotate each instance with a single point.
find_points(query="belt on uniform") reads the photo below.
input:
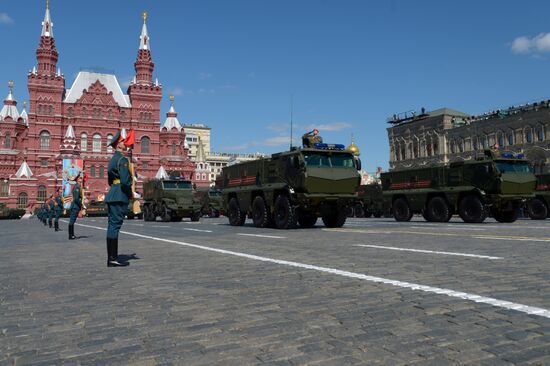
(116, 181)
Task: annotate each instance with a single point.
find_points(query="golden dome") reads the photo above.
(353, 148)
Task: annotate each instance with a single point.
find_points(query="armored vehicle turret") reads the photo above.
(293, 187)
(495, 183)
(171, 199)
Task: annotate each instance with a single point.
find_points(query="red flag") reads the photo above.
(130, 138)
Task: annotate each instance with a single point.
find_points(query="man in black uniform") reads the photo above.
(58, 209)
(117, 199)
(50, 211)
(76, 206)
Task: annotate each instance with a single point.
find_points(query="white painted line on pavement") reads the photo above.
(507, 238)
(532, 310)
(263, 236)
(159, 225)
(446, 228)
(199, 230)
(427, 251)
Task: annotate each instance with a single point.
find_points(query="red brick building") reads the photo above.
(81, 120)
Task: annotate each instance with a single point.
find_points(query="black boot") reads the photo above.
(56, 224)
(112, 254)
(71, 232)
(50, 223)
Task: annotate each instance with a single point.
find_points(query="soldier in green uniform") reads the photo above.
(44, 215)
(58, 209)
(117, 199)
(50, 211)
(312, 137)
(76, 206)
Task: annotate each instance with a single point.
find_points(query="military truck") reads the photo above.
(494, 183)
(98, 208)
(171, 199)
(211, 201)
(371, 201)
(10, 213)
(292, 187)
(537, 208)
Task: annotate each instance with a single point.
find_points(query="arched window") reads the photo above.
(50, 110)
(70, 112)
(84, 112)
(203, 176)
(101, 171)
(41, 196)
(83, 142)
(110, 113)
(529, 135)
(22, 200)
(540, 133)
(173, 148)
(485, 142)
(109, 139)
(92, 171)
(500, 139)
(453, 147)
(145, 145)
(7, 142)
(123, 116)
(96, 143)
(475, 143)
(5, 191)
(44, 140)
(510, 138)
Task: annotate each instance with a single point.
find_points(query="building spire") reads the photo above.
(144, 38)
(47, 24)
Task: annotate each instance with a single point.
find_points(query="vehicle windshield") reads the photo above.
(176, 184)
(215, 193)
(513, 167)
(327, 160)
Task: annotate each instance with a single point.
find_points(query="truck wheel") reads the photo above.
(148, 214)
(214, 213)
(165, 216)
(284, 214)
(336, 219)
(260, 212)
(377, 214)
(368, 214)
(472, 210)
(307, 220)
(234, 214)
(505, 216)
(401, 210)
(438, 210)
(537, 209)
(195, 216)
(359, 211)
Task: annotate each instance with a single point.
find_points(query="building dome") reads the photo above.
(353, 148)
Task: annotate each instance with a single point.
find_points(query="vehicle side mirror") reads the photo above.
(358, 163)
(295, 162)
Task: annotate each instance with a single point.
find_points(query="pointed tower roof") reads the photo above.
(24, 171)
(70, 132)
(69, 145)
(10, 105)
(47, 24)
(161, 173)
(24, 114)
(144, 38)
(171, 117)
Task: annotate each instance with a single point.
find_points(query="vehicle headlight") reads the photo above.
(291, 190)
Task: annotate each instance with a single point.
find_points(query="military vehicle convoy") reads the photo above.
(371, 201)
(537, 208)
(495, 183)
(171, 199)
(7, 213)
(99, 208)
(293, 187)
(211, 201)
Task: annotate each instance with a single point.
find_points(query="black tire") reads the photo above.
(165, 214)
(336, 219)
(472, 210)
(195, 216)
(537, 209)
(214, 213)
(401, 210)
(260, 213)
(307, 220)
(505, 216)
(131, 216)
(234, 214)
(368, 214)
(438, 210)
(350, 211)
(148, 214)
(358, 210)
(377, 214)
(140, 216)
(284, 215)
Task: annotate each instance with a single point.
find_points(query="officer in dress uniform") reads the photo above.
(76, 205)
(58, 209)
(117, 199)
(50, 211)
(44, 214)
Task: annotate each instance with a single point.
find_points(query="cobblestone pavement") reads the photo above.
(210, 294)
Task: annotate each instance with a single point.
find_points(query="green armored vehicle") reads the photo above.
(494, 183)
(171, 199)
(293, 187)
(371, 201)
(211, 201)
(537, 208)
(99, 208)
(10, 213)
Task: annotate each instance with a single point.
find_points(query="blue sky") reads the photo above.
(350, 64)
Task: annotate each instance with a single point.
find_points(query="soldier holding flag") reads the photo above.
(120, 180)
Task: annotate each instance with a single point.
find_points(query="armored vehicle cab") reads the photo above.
(293, 187)
(538, 206)
(371, 201)
(10, 213)
(211, 201)
(495, 183)
(171, 199)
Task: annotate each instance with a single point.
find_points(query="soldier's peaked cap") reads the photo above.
(116, 138)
